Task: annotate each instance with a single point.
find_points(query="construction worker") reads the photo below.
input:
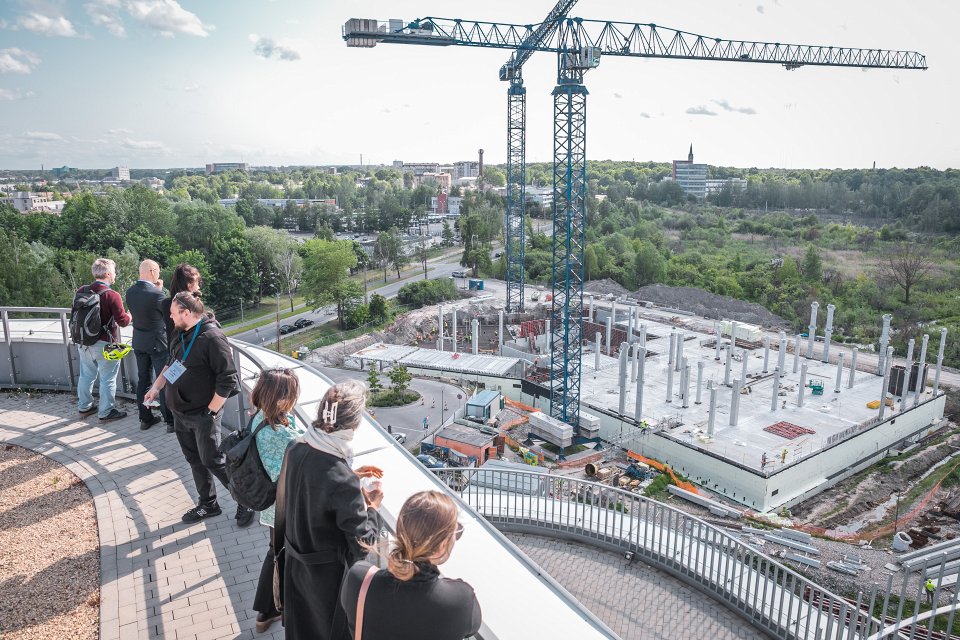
(643, 426)
(929, 588)
(783, 456)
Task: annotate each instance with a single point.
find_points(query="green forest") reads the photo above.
(868, 241)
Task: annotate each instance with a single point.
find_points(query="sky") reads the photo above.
(180, 83)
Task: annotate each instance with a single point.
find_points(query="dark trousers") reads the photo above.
(149, 366)
(199, 438)
(263, 598)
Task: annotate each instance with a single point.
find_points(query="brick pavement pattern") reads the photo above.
(161, 578)
(635, 600)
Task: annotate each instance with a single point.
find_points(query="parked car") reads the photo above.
(459, 274)
(286, 328)
(497, 254)
(303, 322)
(430, 462)
(400, 437)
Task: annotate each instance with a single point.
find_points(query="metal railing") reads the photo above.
(770, 595)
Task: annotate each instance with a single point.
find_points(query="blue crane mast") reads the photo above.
(579, 45)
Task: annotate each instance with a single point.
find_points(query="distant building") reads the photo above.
(223, 167)
(282, 202)
(420, 168)
(691, 177)
(153, 183)
(541, 195)
(466, 169)
(120, 173)
(442, 180)
(716, 186)
(452, 205)
(62, 171)
(27, 202)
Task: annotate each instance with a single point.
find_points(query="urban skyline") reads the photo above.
(160, 83)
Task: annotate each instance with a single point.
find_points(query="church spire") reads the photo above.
(690, 155)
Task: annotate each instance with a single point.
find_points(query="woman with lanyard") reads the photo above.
(198, 380)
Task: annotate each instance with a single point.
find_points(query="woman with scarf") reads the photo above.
(324, 518)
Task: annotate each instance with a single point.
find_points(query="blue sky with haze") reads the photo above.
(161, 83)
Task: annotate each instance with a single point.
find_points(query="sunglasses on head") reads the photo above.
(459, 532)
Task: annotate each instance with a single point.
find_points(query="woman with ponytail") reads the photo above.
(324, 519)
(409, 600)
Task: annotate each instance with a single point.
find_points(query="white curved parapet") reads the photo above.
(509, 587)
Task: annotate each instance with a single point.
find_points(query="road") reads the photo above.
(441, 268)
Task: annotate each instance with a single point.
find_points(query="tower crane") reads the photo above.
(579, 45)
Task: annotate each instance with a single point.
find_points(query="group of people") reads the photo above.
(325, 528)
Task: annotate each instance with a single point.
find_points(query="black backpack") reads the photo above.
(250, 485)
(85, 324)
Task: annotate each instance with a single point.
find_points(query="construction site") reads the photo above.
(748, 423)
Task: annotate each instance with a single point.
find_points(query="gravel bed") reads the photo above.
(49, 551)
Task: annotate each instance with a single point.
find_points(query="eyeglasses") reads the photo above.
(459, 533)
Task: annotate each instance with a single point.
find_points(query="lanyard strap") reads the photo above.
(186, 351)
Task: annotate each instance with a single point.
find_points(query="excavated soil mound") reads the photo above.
(604, 287)
(710, 305)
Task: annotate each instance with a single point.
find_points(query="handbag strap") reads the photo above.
(367, 579)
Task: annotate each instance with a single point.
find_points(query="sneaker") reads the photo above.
(265, 620)
(169, 427)
(89, 411)
(115, 414)
(149, 423)
(201, 512)
(244, 516)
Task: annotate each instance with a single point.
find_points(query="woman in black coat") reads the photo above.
(323, 517)
(409, 600)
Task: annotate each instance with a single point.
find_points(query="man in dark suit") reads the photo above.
(149, 339)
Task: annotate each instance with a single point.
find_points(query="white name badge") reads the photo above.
(174, 371)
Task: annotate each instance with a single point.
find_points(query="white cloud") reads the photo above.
(106, 14)
(267, 48)
(167, 17)
(144, 145)
(9, 95)
(191, 87)
(726, 106)
(16, 60)
(700, 111)
(43, 136)
(118, 131)
(46, 25)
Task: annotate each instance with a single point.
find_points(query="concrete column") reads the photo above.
(475, 336)
(803, 384)
(733, 333)
(782, 359)
(679, 357)
(735, 403)
(672, 351)
(743, 365)
(887, 361)
(884, 341)
(713, 411)
(719, 336)
(936, 376)
(613, 311)
(453, 331)
(910, 345)
(766, 353)
(812, 328)
(500, 339)
(596, 352)
(853, 368)
(609, 343)
(699, 379)
(643, 335)
(828, 333)
(776, 390)
(923, 365)
(726, 370)
(836, 388)
(630, 325)
(669, 385)
(638, 408)
(623, 377)
(796, 353)
(590, 308)
(636, 362)
(439, 327)
(686, 384)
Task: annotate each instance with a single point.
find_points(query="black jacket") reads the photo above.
(321, 518)
(149, 331)
(210, 368)
(426, 607)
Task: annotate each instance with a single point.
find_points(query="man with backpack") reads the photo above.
(95, 322)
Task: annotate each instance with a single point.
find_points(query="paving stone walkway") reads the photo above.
(635, 600)
(161, 578)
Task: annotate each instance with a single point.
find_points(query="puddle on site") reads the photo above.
(874, 515)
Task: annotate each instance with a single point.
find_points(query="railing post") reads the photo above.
(5, 318)
(67, 348)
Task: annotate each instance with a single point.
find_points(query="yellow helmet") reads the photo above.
(115, 351)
